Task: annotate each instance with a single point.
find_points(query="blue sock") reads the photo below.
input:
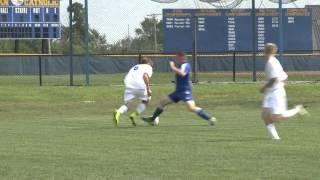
(203, 114)
(156, 113)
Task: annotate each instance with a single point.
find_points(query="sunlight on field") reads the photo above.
(51, 133)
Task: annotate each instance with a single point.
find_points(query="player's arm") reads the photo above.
(178, 71)
(146, 80)
(269, 84)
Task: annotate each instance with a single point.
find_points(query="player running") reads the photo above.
(137, 86)
(274, 108)
(183, 91)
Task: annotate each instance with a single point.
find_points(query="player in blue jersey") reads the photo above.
(183, 91)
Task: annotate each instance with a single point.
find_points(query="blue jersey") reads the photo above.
(183, 83)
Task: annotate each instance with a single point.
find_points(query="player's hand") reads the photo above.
(172, 64)
(149, 92)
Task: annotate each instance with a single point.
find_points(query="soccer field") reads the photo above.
(54, 133)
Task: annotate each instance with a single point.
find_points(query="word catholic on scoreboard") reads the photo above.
(30, 19)
(223, 30)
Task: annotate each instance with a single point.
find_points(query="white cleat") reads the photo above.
(212, 121)
(277, 138)
(302, 110)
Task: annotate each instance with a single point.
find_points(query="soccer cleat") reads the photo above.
(116, 117)
(148, 120)
(133, 118)
(212, 121)
(302, 110)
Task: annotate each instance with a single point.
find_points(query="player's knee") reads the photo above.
(191, 108)
(276, 117)
(264, 116)
(129, 104)
(164, 103)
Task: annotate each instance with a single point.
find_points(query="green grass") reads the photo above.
(50, 133)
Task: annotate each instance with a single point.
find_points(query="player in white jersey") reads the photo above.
(137, 86)
(274, 107)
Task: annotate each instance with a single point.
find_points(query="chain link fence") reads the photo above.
(120, 33)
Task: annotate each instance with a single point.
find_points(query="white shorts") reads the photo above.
(131, 94)
(276, 101)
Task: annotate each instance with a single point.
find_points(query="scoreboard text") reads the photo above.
(222, 30)
(30, 19)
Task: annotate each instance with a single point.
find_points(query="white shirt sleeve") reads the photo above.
(149, 70)
(184, 67)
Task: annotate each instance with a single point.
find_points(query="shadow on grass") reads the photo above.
(245, 139)
(142, 126)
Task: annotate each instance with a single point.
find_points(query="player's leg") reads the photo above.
(159, 110)
(270, 126)
(280, 111)
(143, 96)
(191, 106)
(128, 102)
(268, 109)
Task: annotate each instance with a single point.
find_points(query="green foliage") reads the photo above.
(143, 41)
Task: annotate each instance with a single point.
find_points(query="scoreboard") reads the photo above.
(30, 19)
(223, 30)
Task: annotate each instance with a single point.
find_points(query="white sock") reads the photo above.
(272, 131)
(290, 113)
(123, 109)
(141, 107)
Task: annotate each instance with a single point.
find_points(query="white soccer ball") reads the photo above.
(156, 121)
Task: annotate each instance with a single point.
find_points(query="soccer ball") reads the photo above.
(156, 122)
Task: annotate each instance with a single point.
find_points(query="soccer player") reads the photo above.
(137, 86)
(274, 107)
(183, 91)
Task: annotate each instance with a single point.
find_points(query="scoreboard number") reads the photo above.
(30, 19)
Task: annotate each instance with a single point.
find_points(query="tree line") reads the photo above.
(98, 42)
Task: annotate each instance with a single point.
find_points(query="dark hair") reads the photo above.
(181, 54)
(146, 60)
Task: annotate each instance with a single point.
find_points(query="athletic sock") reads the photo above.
(204, 115)
(290, 113)
(272, 131)
(141, 107)
(157, 112)
(123, 109)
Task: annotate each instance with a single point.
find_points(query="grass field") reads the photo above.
(51, 133)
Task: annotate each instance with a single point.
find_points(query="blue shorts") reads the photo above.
(180, 96)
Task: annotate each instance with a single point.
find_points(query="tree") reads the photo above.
(143, 40)
(98, 42)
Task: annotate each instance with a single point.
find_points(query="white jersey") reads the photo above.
(134, 78)
(273, 69)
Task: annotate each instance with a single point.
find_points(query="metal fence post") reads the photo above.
(70, 45)
(254, 41)
(280, 31)
(195, 51)
(139, 58)
(86, 43)
(40, 70)
(234, 67)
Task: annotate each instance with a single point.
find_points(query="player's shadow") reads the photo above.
(146, 126)
(244, 139)
(182, 125)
